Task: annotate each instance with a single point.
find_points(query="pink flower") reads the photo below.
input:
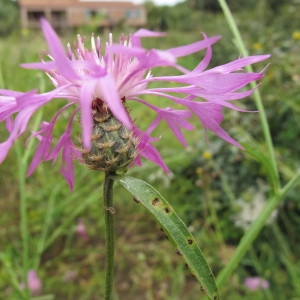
(256, 283)
(34, 283)
(110, 81)
(81, 230)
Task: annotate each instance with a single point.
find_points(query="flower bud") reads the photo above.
(113, 145)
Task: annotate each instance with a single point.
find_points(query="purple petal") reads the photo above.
(45, 137)
(219, 99)
(9, 123)
(86, 98)
(19, 126)
(218, 83)
(205, 61)
(43, 148)
(67, 168)
(239, 64)
(198, 91)
(174, 118)
(14, 103)
(10, 93)
(145, 149)
(44, 65)
(135, 38)
(129, 51)
(223, 83)
(210, 115)
(66, 146)
(63, 64)
(4, 148)
(158, 58)
(148, 33)
(112, 98)
(194, 47)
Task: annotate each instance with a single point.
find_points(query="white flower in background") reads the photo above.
(164, 178)
(249, 207)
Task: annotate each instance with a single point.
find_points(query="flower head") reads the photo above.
(100, 83)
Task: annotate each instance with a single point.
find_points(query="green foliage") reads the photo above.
(175, 229)
(203, 188)
(9, 16)
(234, 5)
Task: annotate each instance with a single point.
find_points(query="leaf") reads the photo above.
(175, 230)
(264, 159)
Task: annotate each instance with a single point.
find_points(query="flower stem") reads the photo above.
(257, 97)
(22, 159)
(109, 233)
(24, 220)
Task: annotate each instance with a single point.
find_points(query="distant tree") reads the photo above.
(275, 5)
(235, 5)
(158, 16)
(203, 5)
(9, 16)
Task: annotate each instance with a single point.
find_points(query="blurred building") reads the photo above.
(72, 13)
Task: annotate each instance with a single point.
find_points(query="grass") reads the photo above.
(203, 190)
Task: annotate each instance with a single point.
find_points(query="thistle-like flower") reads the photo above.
(100, 83)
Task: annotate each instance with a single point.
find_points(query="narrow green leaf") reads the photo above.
(264, 159)
(175, 229)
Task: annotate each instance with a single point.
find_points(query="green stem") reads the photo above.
(257, 97)
(254, 230)
(24, 221)
(23, 164)
(48, 218)
(260, 272)
(109, 234)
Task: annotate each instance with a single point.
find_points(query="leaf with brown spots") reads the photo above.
(174, 229)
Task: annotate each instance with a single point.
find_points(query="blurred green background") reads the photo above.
(217, 189)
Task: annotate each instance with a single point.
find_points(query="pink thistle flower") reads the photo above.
(34, 283)
(256, 283)
(88, 79)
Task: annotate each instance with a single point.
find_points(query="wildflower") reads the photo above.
(257, 46)
(100, 87)
(256, 283)
(296, 35)
(207, 155)
(249, 208)
(34, 283)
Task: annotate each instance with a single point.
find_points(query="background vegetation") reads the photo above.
(216, 189)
